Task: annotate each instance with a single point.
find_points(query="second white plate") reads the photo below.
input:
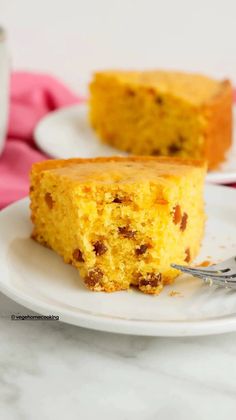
(66, 133)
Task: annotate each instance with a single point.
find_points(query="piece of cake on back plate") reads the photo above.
(163, 113)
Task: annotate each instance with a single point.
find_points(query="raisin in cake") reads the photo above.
(163, 113)
(120, 221)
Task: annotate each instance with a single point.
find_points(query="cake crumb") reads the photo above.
(173, 293)
(204, 263)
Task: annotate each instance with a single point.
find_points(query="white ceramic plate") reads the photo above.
(37, 278)
(66, 133)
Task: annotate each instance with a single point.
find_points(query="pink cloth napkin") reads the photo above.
(31, 97)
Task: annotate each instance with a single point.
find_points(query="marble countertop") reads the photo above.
(53, 371)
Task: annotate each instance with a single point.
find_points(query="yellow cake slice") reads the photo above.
(120, 221)
(163, 113)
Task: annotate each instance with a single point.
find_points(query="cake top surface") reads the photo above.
(120, 170)
(195, 88)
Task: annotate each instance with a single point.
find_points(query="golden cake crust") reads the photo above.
(218, 135)
(193, 87)
(60, 163)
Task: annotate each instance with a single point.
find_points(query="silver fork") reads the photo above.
(222, 274)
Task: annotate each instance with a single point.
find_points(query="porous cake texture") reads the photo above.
(120, 221)
(163, 113)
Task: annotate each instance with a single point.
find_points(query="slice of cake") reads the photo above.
(120, 221)
(163, 113)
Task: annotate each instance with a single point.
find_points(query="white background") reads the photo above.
(71, 38)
